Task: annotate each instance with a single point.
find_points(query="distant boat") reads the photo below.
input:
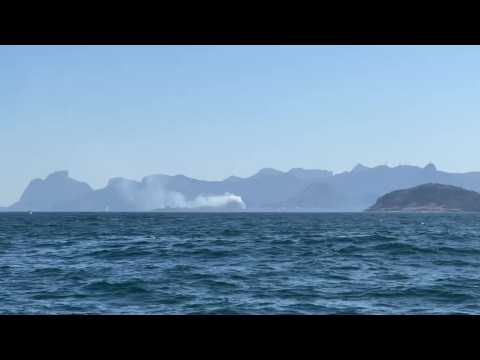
(107, 208)
(31, 212)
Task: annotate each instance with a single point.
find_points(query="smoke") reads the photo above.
(226, 199)
(151, 195)
(161, 199)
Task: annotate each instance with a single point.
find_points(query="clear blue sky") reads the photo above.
(213, 111)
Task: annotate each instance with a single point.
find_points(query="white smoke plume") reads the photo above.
(162, 199)
(152, 195)
(217, 200)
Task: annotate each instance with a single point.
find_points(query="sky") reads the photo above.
(213, 111)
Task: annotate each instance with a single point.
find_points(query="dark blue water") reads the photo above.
(239, 263)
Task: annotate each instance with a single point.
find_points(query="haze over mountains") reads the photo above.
(269, 189)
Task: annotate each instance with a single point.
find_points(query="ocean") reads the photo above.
(239, 263)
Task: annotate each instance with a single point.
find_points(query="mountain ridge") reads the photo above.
(268, 189)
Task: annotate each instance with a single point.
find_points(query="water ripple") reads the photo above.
(240, 263)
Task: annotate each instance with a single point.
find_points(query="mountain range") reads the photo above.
(268, 190)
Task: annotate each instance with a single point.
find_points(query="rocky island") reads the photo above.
(429, 198)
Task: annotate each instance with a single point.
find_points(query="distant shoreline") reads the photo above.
(417, 210)
(365, 212)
